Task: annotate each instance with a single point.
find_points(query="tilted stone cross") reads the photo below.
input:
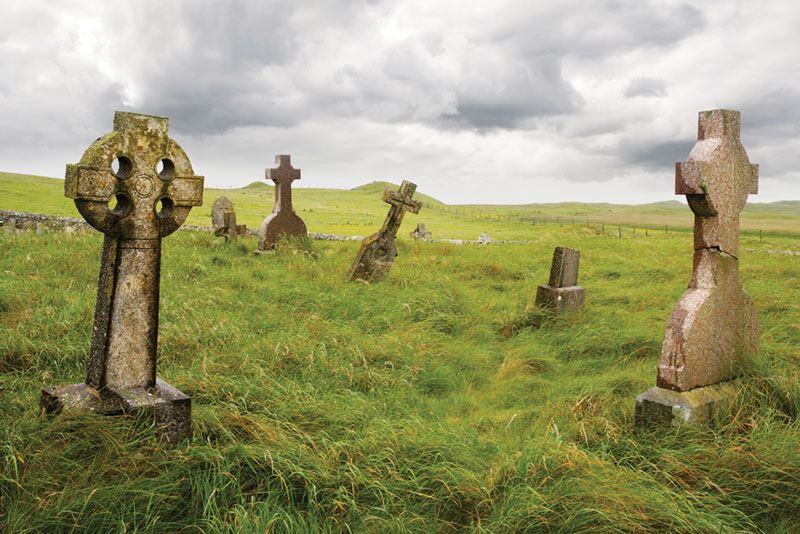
(714, 323)
(223, 220)
(378, 251)
(563, 292)
(283, 220)
(151, 203)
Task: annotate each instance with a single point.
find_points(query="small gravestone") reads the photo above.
(562, 294)
(484, 238)
(283, 221)
(714, 324)
(420, 232)
(155, 188)
(378, 251)
(223, 220)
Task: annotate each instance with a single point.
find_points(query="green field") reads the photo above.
(424, 403)
(359, 211)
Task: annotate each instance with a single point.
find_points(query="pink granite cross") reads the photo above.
(714, 323)
(283, 220)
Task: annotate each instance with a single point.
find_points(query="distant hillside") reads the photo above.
(359, 211)
(378, 187)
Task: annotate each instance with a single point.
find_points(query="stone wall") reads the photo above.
(41, 223)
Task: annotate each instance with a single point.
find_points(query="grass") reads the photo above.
(422, 403)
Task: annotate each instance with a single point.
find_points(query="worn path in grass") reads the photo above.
(423, 403)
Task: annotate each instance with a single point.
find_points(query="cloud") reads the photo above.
(646, 87)
(529, 96)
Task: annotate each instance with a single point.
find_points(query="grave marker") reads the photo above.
(714, 323)
(155, 188)
(562, 293)
(283, 220)
(378, 251)
(420, 232)
(223, 220)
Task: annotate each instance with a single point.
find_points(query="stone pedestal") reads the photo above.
(560, 299)
(171, 409)
(661, 407)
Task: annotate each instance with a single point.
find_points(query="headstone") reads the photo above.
(562, 293)
(283, 220)
(484, 238)
(223, 220)
(155, 188)
(714, 324)
(378, 251)
(420, 232)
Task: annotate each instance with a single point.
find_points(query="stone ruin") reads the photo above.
(562, 294)
(378, 251)
(155, 188)
(223, 220)
(714, 324)
(420, 232)
(283, 221)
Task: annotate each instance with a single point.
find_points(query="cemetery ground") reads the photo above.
(421, 403)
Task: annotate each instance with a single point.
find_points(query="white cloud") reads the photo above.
(511, 101)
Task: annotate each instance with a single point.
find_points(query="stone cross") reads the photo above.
(714, 323)
(378, 251)
(223, 220)
(283, 220)
(150, 181)
(563, 292)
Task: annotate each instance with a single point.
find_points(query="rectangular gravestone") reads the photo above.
(562, 294)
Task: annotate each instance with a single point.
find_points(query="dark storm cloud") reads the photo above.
(646, 87)
(658, 156)
(774, 114)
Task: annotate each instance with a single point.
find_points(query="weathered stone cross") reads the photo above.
(714, 323)
(378, 251)
(155, 188)
(283, 220)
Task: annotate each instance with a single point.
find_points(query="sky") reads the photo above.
(503, 101)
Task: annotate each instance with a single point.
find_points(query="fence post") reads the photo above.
(603, 226)
(760, 236)
(619, 229)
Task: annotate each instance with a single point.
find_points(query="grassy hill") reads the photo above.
(360, 211)
(425, 403)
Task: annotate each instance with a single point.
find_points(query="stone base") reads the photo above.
(659, 406)
(171, 408)
(561, 299)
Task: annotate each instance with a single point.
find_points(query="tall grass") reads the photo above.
(408, 405)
